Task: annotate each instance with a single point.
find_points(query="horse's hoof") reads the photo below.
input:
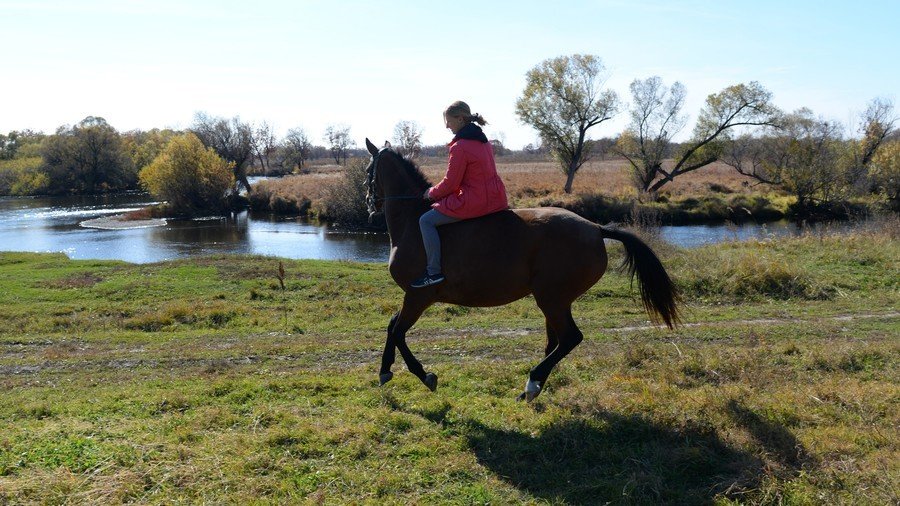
(430, 381)
(532, 390)
(385, 377)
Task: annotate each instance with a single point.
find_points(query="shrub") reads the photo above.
(189, 177)
(345, 201)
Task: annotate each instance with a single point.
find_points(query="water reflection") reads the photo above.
(52, 224)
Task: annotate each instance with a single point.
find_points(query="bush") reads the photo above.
(191, 178)
(345, 202)
(278, 199)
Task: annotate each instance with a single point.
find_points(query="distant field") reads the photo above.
(545, 177)
(203, 381)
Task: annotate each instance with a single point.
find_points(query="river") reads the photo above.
(52, 224)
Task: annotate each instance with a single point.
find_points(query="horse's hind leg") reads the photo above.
(412, 309)
(552, 340)
(561, 325)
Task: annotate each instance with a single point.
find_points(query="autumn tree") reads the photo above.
(189, 176)
(145, 146)
(337, 137)
(87, 158)
(407, 138)
(802, 157)
(876, 123)
(231, 139)
(564, 98)
(885, 171)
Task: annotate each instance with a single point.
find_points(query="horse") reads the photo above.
(550, 253)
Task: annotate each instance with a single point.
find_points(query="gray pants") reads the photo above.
(428, 224)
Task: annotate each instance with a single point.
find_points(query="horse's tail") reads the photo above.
(658, 294)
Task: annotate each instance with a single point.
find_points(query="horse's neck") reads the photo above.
(402, 218)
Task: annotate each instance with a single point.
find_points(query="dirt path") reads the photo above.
(87, 356)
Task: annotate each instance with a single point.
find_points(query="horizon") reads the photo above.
(143, 65)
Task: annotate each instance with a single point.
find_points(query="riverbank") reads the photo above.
(203, 380)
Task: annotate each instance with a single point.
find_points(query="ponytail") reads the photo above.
(461, 109)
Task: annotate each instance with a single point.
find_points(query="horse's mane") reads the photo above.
(414, 171)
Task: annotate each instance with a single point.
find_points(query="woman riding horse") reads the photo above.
(550, 253)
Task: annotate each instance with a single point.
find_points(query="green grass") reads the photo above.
(202, 381)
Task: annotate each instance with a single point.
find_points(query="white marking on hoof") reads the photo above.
(385, 377)
(532, 390)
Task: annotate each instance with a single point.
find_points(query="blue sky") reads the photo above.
(309, 63)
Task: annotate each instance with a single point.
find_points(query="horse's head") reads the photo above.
(374, 190)
(390, 176)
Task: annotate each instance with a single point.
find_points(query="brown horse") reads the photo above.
(550, 253)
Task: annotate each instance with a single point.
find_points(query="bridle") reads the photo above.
(371, 198)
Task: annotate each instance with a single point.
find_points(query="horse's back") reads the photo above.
(507, 255)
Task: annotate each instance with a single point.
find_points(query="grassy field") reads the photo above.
(203, 380)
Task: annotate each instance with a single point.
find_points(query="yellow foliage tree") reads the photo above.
(191, 178)
(886, 172)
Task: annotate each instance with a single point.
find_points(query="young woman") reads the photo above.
(470, 188)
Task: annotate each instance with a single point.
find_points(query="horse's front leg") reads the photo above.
(413, 307)
(387, 358)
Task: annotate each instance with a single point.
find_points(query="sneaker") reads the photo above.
(428, 280)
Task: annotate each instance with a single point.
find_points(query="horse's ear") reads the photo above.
(371, 147)
(387, 144)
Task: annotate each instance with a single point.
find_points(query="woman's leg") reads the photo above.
(428, 224)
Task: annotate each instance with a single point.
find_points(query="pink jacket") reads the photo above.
(471, 187)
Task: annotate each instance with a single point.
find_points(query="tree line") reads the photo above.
(797, 152)
(564, 99)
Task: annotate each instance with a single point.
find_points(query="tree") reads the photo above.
(562, 100)
(20, 144)
(876, 124)
(741, 105)
(232, 140)
(339, 142)
(408, 138)
(145, 146)
(295, 149)
(189, 176)
(88, 158)
(802, 156)
(263, 145)
(886, 172)
(655, 118)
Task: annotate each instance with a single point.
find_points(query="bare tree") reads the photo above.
(741, 105)
(562, 100)
(338, 139)
(264, 143)
(230, 139)
(655, 118)
(408, 138)
(295, 149)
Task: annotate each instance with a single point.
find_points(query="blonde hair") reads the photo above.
(460, 109)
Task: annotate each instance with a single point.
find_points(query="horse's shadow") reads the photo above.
(610, 458)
